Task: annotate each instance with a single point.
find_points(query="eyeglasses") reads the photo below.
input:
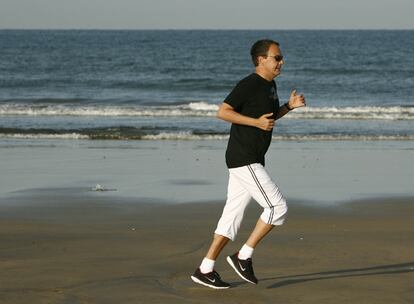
(278, 58)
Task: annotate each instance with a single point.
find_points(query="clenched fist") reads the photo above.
(265, 123)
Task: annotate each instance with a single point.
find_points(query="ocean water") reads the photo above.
(86, 85)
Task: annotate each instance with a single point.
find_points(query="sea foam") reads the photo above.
(202, 109)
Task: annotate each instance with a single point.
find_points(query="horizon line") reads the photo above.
(206, 29)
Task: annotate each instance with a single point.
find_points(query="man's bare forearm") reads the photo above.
(227, 113)
(232, 116)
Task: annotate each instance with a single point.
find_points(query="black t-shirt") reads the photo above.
(253, 96)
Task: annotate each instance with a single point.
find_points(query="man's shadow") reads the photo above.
(341, 273)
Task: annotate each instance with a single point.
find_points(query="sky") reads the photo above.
(206, 14)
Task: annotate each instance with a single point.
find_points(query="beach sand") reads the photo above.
(86, 249)
(195, 171)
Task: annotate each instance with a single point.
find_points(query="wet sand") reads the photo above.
(58, 247)
(195, 171)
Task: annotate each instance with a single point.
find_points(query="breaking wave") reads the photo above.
(200, 109)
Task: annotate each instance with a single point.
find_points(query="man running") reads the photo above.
(252, 107)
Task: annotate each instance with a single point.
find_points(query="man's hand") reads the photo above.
(265, 123)
(296, 101)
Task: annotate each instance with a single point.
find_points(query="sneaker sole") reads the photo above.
(205, 284)
(230, 261)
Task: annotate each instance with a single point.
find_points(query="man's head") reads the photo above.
(267, 58)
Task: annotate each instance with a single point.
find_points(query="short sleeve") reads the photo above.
(240, 94)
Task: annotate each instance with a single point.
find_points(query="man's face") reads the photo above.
(272, 63)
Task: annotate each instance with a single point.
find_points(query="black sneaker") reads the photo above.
(244, 268)
(210, 279)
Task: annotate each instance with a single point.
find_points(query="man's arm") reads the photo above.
(226, 112)
(295, 101)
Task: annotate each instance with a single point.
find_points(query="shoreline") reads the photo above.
(195, 171)
(61, 242)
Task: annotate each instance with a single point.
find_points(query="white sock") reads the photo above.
(207, 265)
(245, 252)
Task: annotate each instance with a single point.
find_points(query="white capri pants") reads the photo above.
(245, 183)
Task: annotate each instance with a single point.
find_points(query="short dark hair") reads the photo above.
(260, 48)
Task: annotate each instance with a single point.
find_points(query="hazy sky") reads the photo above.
(207, 14)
